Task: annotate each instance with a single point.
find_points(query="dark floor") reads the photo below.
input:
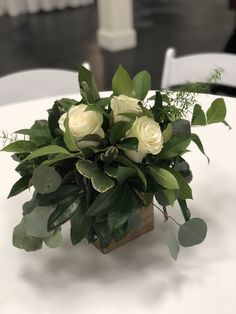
(65, 39)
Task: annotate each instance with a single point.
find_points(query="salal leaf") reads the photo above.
(47, 150)
(19, 147)
(91, 91)
(21, 185)
(125, 161)
(185, 191)
(54, 240)
(142, 84)
(130, 143)
(176, 146)
(80, 225)
(46, 179)
(66, 103)
(198, 117)
(217, 111)
(122, 84)
(192, 232)
(119, 130)
(60, 194)
(195, 138)
(170, 241)
(102, 202)
(164, 177)
(36, 222)
(181, 127)
(22, 241)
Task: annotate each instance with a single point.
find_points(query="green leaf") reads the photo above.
(158, 106)
(68, 138)
(195, 138)
(170, 241)
(124, 173)
(192, 232)
(64, 211)
(21, 185)
(47, 150)
(164, 177)
(57, 158)
(23, 132)
(217, 111)
(184, 208)
(80, 225)
(40, 134)
(130, 143)
(167, 133)
(135, 221)
(46, 179)
(22, 241)
(36, 222)
(54, 240)
(110, 155)
(53, 117)
(87, 168)
(125, 161)
(122, 83)
(102, 202)
(19, 147)
(174, 147)
(181, 127)
(101, 182)
(185, 191)
(91, 92)
(142, 84)
(67, 103)
(198, 117)
(60, 194)
(119, 130)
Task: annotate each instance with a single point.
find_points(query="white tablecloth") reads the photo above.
(140, 277)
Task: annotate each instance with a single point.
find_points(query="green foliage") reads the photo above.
(97, 188)
(122, 84)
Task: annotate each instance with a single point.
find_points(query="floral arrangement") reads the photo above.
(97, 161)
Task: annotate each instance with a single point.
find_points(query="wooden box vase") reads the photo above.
(147, 215)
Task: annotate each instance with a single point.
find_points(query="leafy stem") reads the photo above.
(164, 212)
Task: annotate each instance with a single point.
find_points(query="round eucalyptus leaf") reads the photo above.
(192, 232)
(46, 179)
(54, 240)
(22, 241)
(35, 223)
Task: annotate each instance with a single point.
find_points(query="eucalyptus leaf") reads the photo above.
(192, 232)
(54, 240)
(46, 179)
(170, 241)
(36, 222)
(22, 241)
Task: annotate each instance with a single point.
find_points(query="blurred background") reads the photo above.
(61, 34)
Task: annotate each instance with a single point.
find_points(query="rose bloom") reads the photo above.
(148, 133)
(124, 104)
(82, 123)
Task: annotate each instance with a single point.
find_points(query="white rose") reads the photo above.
(124, 104)
(82, 123)
(150, 138)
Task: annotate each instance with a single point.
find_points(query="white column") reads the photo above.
(116, 31)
